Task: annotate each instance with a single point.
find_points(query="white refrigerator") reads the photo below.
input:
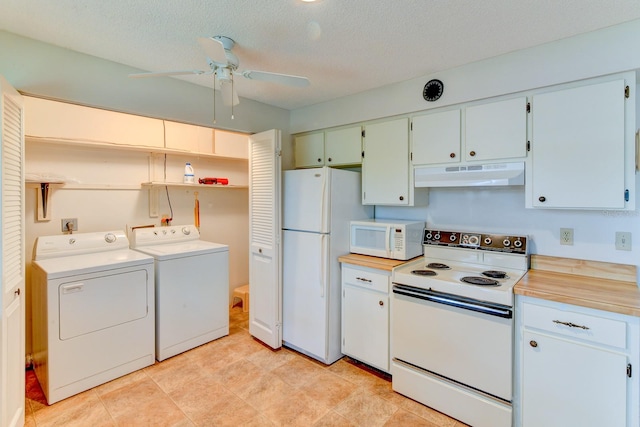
(317, 207)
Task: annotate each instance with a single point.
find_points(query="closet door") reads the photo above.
(265, 272)
(12, 305)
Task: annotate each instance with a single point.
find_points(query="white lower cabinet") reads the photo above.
(365, 315)
(577, 366)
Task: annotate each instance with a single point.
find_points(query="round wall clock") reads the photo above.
(433, 90)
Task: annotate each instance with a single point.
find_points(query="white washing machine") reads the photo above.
(93, 311)
(192, 287)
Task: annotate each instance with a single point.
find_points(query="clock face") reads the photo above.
(433, 90)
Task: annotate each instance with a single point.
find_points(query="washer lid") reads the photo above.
(181, 250)
(92, 262)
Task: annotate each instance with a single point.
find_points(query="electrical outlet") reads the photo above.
(623, 240)
(566, 236)
(69, 224)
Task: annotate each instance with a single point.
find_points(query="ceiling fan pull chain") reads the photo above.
(214, 98)
(232, 93)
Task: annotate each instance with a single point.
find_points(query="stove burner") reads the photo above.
(481, 281)
(495, 274)
(424, 272)
(438, 266)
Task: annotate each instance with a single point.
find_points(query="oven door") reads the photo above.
(467, 341)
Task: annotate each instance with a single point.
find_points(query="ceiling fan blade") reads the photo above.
(283, 79)
(168, 73)
(214, 49)
(228, 94)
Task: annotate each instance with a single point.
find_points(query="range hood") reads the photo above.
(481, 175)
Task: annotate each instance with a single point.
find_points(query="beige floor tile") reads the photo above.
(125, 381)
(84, 409)
(353, 373)
(431, 415)
(329, 389)
(268, 359)
(298, 371)
(364, 408)
(237, 375)
(402, 418)
(258, 421)
(126, 399)
(300, 410)
(172, 373)
(29, 421)
(158, 412)
(332, 419)
(265, 391)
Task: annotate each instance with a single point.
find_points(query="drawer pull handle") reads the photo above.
(533, 343)
(362, 279)
(571, 325)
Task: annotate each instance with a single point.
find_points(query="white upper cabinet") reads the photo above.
(578, 148)
(496, 130)
(231, 144)
(343, 147)
(68, 122)
(181, 136)
(338, 147)
(385, 166)
(309, 150)
(436, 138)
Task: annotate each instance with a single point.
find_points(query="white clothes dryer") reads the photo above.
(93, 311)
(192, 287)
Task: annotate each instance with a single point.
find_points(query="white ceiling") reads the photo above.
(342, 46)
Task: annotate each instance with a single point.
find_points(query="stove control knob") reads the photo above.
(487, 240)
(186, 231)
(428, 235)
(473, 240)
(452, 237)
(517, 243)
(436, 236)
(506, 242)
(109, 237)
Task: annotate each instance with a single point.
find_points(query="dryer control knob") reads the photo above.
(173, 231)
(186, 230)
(110, 237)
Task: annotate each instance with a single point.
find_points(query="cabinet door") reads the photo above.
(343, 147)
(497, 130)
(309, 150)
(567, 383)
(365, 326)
(436, 138)
(385, 166)
(578, 144)
(231, 144)
(182, 136)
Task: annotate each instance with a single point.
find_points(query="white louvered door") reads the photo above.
(12, 320)
(265, 272)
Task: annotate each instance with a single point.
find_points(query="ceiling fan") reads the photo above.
(223, 64)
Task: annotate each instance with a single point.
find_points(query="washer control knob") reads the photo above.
(487, 240)
(164, 232)
(186, 230)
(506, 242)
(173, 231)
(110, 237)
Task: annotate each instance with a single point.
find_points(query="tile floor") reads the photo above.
(236, 381)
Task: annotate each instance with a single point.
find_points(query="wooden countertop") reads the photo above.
(582, 283)
(371, 261)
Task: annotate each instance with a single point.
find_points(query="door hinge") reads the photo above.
(363, 154)
(411, 126)
(629, 370)
(626, 195)
(363, 133)
(528, 107)
(278, 153)
(411, 156)
(528, 146)
(626, 91)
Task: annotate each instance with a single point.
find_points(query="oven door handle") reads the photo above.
(454, 301)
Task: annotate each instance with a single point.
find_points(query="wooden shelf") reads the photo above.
(138, 148)
(156, 184)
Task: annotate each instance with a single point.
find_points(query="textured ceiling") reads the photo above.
(342, 46)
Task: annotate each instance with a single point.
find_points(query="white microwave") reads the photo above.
(387, 238)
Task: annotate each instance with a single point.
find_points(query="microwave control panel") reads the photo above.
(488, 242)
(398, 239)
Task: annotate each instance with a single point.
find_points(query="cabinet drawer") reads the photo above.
(365, 278)
(576, 325)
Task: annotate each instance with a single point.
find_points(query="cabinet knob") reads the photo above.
(319, 160)
(472, 153)
(329, 159)
(542, 199)
(401, 198)
(381, 303)
(452, 155)
(533, 343)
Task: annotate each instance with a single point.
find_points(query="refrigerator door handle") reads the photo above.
(323, 263)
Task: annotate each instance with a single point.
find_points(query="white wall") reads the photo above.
(498, 210)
